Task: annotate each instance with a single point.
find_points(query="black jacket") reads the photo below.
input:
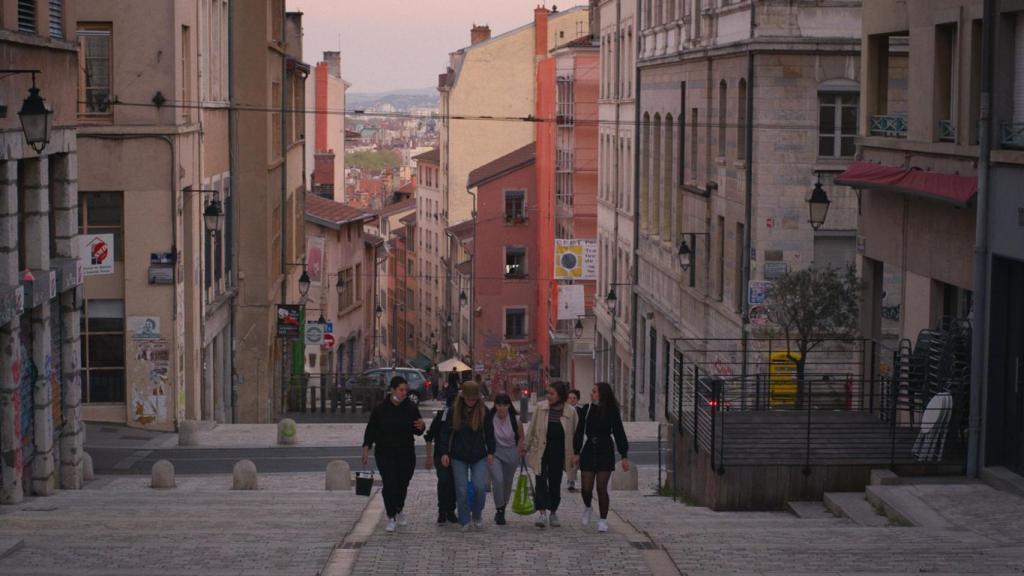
(391, 426)
(598, 425)
(512, 414)
(438, 431)
(468, 445)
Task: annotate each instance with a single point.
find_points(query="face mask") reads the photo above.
(395, 398)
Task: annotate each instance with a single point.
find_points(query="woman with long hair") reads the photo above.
(468, 450)
(508, 441)
(391, 428)
(600, 422)
(549, 446)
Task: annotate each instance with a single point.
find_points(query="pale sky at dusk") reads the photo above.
(393, 44)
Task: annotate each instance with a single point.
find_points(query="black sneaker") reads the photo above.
(442, 518)
(453, 518)
(499, 517)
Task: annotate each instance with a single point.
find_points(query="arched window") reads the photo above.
(723, 106)
(741, 120)
(668, 187)
(656, 183)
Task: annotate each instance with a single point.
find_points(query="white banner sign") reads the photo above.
(571, 302)
(575, 259)
(96, 252)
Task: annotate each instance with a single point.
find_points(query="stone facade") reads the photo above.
(693, 163)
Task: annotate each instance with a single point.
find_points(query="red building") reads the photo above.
(508, 321)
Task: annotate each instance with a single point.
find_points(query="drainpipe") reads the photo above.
(233, 168)
(748, 215)
(636, 230)
(284, 193)
(613, 343)
(979, 334)
(472, 291)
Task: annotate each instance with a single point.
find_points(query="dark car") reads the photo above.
(419, 386)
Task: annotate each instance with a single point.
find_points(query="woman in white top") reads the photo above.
(508, 437)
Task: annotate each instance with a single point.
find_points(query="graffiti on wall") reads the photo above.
(150, 371)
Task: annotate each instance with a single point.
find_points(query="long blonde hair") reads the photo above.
(475, 417)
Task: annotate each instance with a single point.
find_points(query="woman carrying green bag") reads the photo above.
(522, 501)
(508, 436)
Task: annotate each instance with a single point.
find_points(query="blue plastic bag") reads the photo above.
(470, 492)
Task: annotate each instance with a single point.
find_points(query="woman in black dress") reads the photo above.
(599, 422)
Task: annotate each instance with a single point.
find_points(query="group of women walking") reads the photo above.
(471, 445)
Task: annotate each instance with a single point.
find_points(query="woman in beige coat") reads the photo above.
(549, 451)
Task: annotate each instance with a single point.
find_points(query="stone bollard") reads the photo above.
(625, 480)
(188, 433)
(87, 472)
(339, 476)
(287, 435)
(163, 475)
(244, 476)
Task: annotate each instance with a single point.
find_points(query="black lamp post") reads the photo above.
(818, 204)
(35, 119)
(213, 216)
(304, 283)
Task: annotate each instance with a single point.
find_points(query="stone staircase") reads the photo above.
(868, 508)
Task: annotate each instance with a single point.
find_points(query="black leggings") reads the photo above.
(396, 466)
(602, 478)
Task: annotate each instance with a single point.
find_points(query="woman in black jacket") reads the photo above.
(468, 450)
(595, 454)
(391, 428)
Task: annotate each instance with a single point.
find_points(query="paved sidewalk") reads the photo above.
(987, 538)
(118, 526)
(519, 548)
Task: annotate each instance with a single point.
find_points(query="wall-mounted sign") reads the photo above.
(575, 259)
(775, 270)
(328, 341)
(757, 292)
(571, 302)
(96, 251)
(314, 334)
(288, 320)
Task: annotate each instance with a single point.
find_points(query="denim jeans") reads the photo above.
(464, 471)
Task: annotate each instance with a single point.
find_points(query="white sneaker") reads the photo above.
(542, 519)
(585, 518)
(466, 527)
(391, 525)
(478, 525)
(553, 520)
(402, 520)
(602, 525)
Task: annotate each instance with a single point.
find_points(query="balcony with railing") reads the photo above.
(1011, 135)
(947, 131)
(889, 125)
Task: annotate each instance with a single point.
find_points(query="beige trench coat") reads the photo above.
(537, 436)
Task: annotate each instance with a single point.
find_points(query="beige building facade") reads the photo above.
(430, 236)
(154, 152)
(270, 241)
(699, 63)
(41, 430)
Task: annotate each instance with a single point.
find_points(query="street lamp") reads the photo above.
(321, 320)
(213, 216)
(611, 300)
(818, 204)
(304, 283)
(35, 119)
(685, 255)
(340, 286)
(378, 311)
(577, 329)
(463, 298)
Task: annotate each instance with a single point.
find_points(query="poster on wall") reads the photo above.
(571, 302)
(144, 327)
(96, 251)
(315, 259)
(288, 320)
(575, 259)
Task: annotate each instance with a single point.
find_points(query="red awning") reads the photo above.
(957, 190)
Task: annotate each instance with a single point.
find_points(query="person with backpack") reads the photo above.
(594, 451)
(437, 433)
(391, 428)
(574, 401)
(549, 446)
(468, 451)
(508, 442)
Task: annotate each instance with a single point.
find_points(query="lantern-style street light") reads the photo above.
(304, 283)
(213, 216)
(818, 204)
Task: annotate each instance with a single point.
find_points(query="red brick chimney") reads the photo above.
(478, 34)
(540, 31)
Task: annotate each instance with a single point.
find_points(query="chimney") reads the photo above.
(540, 31)
(478, 34)
(333, 60)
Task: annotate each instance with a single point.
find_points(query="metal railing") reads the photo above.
(889, 125)
(332, 393)
(1011, 135)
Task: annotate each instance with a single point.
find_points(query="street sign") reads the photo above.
(288, 320)
(329, 327)
(757, 292)
(314, 334)
(328, 341)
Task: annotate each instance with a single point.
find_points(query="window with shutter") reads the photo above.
(57, 19)
(27, 16)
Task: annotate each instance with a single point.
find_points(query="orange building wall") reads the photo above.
(547, 288)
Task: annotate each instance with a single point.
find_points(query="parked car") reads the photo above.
(419, 386)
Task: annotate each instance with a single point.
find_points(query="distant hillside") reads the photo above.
(400, 99)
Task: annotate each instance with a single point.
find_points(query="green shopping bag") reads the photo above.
(522, 499)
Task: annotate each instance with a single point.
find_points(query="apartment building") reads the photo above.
(41, 431)
(429, 239)
(154, 154)
(733, 198)
(325, 99)
(613, 352)
(268, 164)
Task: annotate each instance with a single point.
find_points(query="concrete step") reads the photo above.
(9, 546)
(901, 505)
(1003, 479)
(852, 505)
(809, 510)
